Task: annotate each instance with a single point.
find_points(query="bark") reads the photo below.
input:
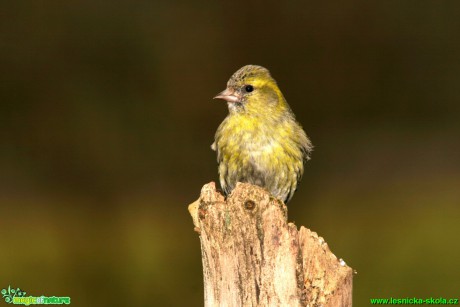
(253, 257)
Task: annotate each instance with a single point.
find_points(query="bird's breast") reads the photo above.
(249, 141)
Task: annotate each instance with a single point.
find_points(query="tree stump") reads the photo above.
(253, 257)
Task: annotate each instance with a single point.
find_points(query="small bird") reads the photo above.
(259, 142)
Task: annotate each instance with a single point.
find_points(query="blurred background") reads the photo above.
(107, 118)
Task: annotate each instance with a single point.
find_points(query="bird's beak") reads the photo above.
(229, 95)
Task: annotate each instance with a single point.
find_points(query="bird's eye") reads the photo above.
(249, 88)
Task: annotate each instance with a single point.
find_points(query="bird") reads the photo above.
(260, 141)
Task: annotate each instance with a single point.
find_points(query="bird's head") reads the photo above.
(253, 90)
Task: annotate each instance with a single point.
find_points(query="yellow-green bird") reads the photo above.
(260, 141)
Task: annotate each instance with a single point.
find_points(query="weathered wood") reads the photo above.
(253, 257)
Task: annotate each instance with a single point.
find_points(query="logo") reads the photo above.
(18, 297)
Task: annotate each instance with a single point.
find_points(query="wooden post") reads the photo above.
(253, 257)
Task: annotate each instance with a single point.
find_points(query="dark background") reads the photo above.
(107, 118)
